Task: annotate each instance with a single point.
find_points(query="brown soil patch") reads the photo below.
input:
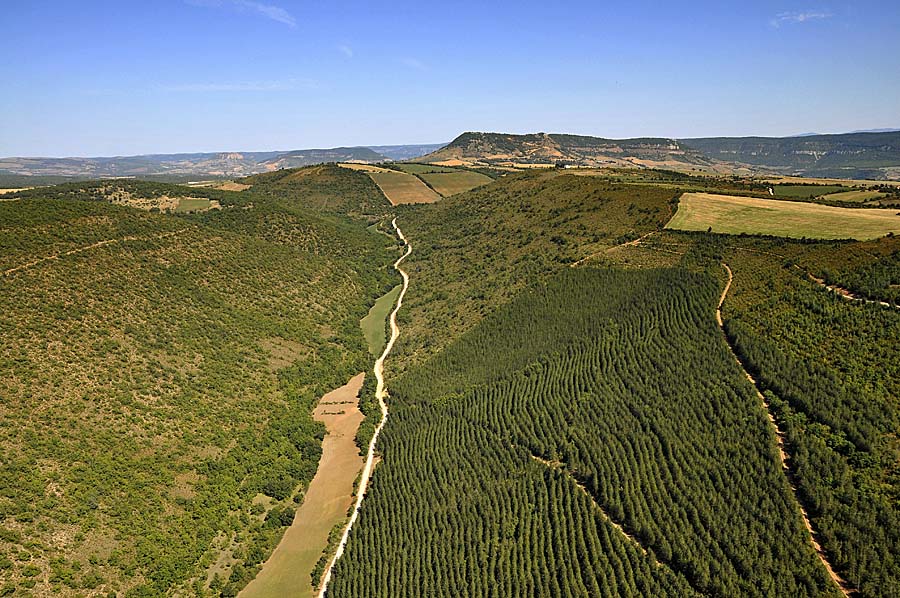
(327, 500)
(232, 186)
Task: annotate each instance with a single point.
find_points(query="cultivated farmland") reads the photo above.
(806, 191)
(451, 183)
(857, 196)
(737, 215)
(401, 188)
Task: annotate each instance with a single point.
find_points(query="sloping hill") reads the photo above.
(157, 374)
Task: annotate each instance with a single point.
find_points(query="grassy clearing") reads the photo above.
(452, 183)
(402, 188)
(736, 215)
(857, 196)
(806, 191)
(288, 570)
(192, 204)
(373, 324)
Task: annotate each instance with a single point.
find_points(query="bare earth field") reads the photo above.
(330, 495)
(736, 215)
(401, 188)
(451, 183)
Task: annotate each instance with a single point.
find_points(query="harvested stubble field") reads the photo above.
(401, 188)
(748, 215)
(451, 183)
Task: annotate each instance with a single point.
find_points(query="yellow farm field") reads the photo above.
(363, 167)
(799, 180)
(402, 188)
(735, 215)
(288, 570)
(451, 183)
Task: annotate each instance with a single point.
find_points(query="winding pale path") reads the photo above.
(381, 394)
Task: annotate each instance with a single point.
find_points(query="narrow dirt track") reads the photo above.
(381, 394)
(56, 256)
(845, 587)
(633, 243)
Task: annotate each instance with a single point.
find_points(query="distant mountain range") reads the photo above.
(850, 155)
(874, 155)
(222, 164)
(870, 155)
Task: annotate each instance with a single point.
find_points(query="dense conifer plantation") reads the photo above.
(615, 400)
(831, 371)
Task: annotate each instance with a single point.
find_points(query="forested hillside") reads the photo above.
(516, 482)
(476, 250)
(830, 369)
(157, 374)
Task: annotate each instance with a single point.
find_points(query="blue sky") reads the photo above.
(129, 77)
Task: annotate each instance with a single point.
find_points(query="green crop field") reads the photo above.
(455, 182)
(192, 205)
(748, 215)
(857, 196)
(373, 325)
(806, 191)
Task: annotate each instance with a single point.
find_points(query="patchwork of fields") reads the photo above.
(748, 215)
(401, 188)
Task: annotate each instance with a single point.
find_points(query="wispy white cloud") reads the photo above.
(345, 50)
(802, 16)
(209, 87)
(413, 63)
(269, 11)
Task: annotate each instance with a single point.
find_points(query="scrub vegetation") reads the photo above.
(158, 375)
(567, 418)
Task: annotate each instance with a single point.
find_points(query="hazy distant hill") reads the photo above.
(204, 164)
(850, 155)
(200, 165)
(309, 157)
(544, 148)
(406, 152)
